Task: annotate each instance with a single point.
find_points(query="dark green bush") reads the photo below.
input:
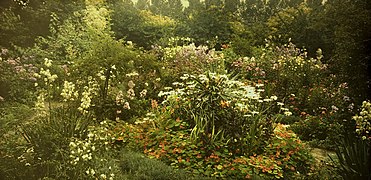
(353, 158)
(139, 167)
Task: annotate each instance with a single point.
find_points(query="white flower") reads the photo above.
(68, 91)
(126, 105)
(334, 108)
(130, 94)
(287, 113)
(131, 84)
(254, 112)
(47, 62)
(132, 74)
(143, 93)
(72, 144)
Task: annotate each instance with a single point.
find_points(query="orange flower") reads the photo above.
(224, 104)
(154, 104)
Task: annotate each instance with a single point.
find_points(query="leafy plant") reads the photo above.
(137, 166)
(353, 158)
(215, 105)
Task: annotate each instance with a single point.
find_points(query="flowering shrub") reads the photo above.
(170, 141)
(363, 121)
(285, 156)
(219, 108)
(16, 77)
(307, 87)
(91, 155)
(320, 131)
(188, 58)
(290, 71)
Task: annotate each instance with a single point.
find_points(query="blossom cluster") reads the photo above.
(243, 96)
(40, 104)
(363, 121)
(69, 92)
(85, 151)
(45, 74)
(89, 91)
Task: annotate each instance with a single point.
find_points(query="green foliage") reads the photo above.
(11, 146)
(181, 57)
(289, 69)
(353, 155)
(363, 121)
(81, 74)
(16, 77)
(142, 27)
(137, 166)
(206, 23)
(169, 140)
(22, 22)
(215, 106)
(320, 131)
(304, 83)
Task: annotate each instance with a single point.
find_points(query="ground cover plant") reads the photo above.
(103, 89)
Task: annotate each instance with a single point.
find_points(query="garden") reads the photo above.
(137, 90)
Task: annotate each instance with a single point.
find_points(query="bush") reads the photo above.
(353, 158)
(319, 131)
(137, 166)
(223, 109)
(282, 157)
(11, 143)
(182, 57)
(16, 78)
(305, 82)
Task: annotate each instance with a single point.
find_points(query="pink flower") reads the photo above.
(12, 62)
(4, 51)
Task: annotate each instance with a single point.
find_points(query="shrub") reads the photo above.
(16, 77)
(219, 108)
(363, 121)
(353, 158)
(319, 131)
(292, 75)
(137, 166)
(181, 57)
(283, 156)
